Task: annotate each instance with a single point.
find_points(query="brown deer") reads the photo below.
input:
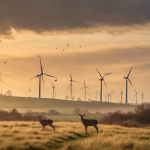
(89, 122)
(46, 122)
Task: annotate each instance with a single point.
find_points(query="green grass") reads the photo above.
(70, 136)
(63, 106)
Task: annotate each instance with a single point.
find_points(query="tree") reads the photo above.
(8, 93)
(79, 99)
(66, 97)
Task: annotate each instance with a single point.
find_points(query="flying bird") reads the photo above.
(79, 46)
(68, 44)
(56, 48)
(5, 62)
(63, 49)
(56, 80)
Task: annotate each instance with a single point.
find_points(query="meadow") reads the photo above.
(15, 135)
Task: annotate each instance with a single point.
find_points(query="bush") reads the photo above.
(53, 112)
(139, 117)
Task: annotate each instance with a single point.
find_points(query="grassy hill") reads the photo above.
(63, 106)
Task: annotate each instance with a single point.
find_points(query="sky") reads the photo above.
(113, 35)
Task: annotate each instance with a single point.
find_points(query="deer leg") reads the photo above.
(53, 127)
(95, 126)
(86, 129)
(43, 127)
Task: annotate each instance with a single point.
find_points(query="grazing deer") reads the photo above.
(89, 122)
(46, 122)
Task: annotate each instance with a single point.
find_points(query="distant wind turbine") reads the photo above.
(70, 85)
(136, 96)
(142, 97)
(30, 91)
(102, 78)
(41, 75)
(53, 90)
(110, 95)
(85, 90)
(127, 79)
(121, 94)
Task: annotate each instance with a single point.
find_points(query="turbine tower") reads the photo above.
(142, 97)
(127, 79)
(102, 78)
(53, 87)
(136, 96)
(121, 94)
(85, 90)
(70, 85)
(41, 75)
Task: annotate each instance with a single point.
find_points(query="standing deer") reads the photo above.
(46, 122)
(89, 122)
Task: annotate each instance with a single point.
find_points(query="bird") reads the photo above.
(68, 44)
(56, 80)
(79, 46)
(5, 62)
(56, 48)
(63, 49)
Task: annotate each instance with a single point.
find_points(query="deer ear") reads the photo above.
(84, 115)
(80, 114)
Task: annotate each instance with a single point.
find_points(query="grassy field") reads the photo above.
(63, 106)
(70, 136)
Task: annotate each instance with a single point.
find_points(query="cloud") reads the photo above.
(77, 16)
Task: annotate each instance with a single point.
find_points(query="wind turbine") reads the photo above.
(53, 90)
(105, 97)
(85, 90)
(41, 75)
(136, 96)
(110, 95)
(102, 78)
(30, 91)
(127, 79)
(121, 94)
(142, 97)
(70, 85)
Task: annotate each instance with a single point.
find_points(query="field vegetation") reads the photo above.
(17, 135)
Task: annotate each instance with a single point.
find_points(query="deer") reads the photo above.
(45, 122)
(89, 122)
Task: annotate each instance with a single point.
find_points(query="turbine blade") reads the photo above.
(33, 78)
(129, 71)
(130, 82)
(3, 82)
(70, 76)
(84, 82)
(50, 75)
(83, 87)
(52, 84)
(99, 73)
(75, 81)
(134, 96)
(41, 65)
(87, 87)
(105, 84)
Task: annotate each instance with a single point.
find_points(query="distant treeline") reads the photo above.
(137, 118)
(15, 115)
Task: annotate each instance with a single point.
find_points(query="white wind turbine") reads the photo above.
(142, 97)
(41, 75)
(127, 79)
(30, 91)
(136, 96)
(53, 87)
(102, 78)
(121, 94)
(110, 95)
(85, 90)
(70, 85)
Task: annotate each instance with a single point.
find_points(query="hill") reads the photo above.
(63, 106)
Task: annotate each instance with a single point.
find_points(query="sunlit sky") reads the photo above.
(113, 37)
